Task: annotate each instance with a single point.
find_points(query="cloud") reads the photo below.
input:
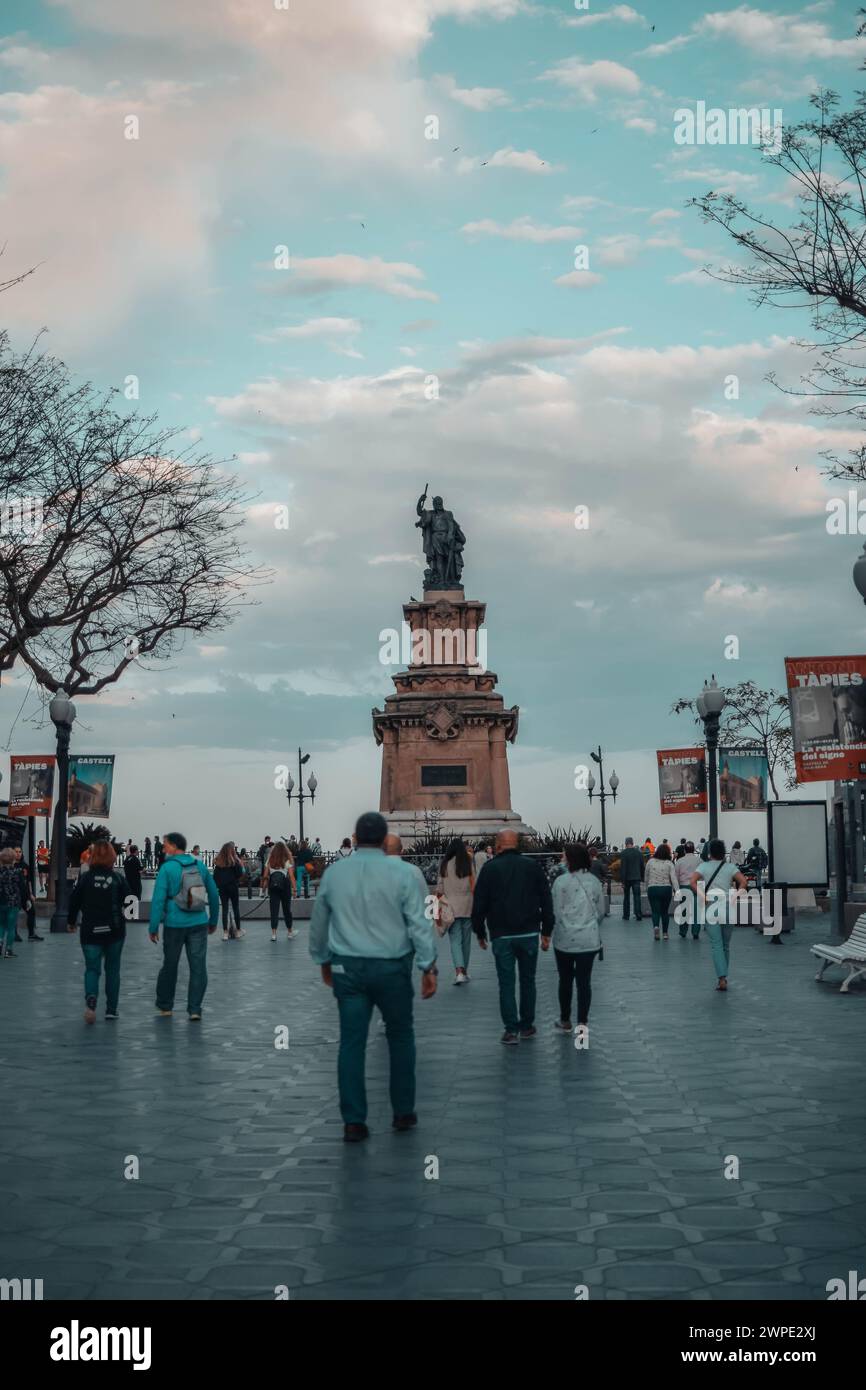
(321, 274)
(475, 98)
(521, 229)
(735, 594)
(779, 35)
(318, 328)
(579, 279)
(393, 560)
(23, 58)
(641, 123)
(313, 401)
(619, 14)
(585, 202)
(517, 351)
(665, 215)
(725, 180)
(661, 50)
(527, 161)
(698, 277)
(588, 80)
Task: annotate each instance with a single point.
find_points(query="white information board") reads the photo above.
(797, 843)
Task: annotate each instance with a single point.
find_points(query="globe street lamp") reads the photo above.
(602, 793)
(62, 713)
(301, 795)
(709, 705)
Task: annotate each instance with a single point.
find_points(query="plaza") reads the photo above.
(557, 1168)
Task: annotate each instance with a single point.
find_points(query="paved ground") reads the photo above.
(556, 1167)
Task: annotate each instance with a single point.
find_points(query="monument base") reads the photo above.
(467, 825)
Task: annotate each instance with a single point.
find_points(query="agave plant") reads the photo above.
(557, 837)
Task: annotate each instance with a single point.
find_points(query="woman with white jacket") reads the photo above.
(662, 886)
(578, 910)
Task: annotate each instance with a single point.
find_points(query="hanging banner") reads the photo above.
(90, 779)
(682, 780)
(827, 695)
(743, 781)
(31, 784)
(11, 832)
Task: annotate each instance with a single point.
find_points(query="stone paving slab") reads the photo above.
(557, 1167)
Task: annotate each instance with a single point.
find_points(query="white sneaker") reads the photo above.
(460, 978)
(291, 935)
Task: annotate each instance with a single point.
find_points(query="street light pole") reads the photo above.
(602, 793)
(62, 713)
(710, 704)
(301, 795)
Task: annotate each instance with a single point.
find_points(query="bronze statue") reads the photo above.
(443, 543)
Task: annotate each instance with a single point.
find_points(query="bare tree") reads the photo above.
(754, 719)
(819, 263)
(113, 544)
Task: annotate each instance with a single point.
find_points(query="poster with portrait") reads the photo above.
(90, 779)
(31, 784)
(827, 695)
(682, 780)
(743, 779)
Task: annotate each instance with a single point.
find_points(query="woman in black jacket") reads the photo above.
(98, 899)
(228, 872)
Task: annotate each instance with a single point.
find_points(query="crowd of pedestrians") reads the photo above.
(375, 920)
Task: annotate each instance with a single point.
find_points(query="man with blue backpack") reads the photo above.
(186, 900)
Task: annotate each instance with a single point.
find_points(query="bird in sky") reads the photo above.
(483, 162)
(455, 149)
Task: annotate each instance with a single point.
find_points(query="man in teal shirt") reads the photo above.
(184, 929)
(368, 919)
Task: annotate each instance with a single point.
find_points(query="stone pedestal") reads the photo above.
(444, 733)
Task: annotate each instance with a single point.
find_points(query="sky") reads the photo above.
(431, 326)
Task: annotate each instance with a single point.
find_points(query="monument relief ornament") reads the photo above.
(441, 720)
(443, 542)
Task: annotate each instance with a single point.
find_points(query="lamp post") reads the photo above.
(602, 793)
(62, 713)
(709, 705)
(301, 795)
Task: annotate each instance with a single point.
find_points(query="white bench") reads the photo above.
(851, 954)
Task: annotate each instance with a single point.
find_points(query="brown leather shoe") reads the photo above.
(403, 1122)
(354, 1134)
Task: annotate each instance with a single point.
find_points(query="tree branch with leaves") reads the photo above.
(139, 543)
(755, 720)
(817, 264)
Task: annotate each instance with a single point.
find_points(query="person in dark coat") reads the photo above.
(132, 867)
(227, 873)
(512, 902)
(97, 899)
(14, 895)
(631, 871)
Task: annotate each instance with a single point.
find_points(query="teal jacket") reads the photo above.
(163, 908)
